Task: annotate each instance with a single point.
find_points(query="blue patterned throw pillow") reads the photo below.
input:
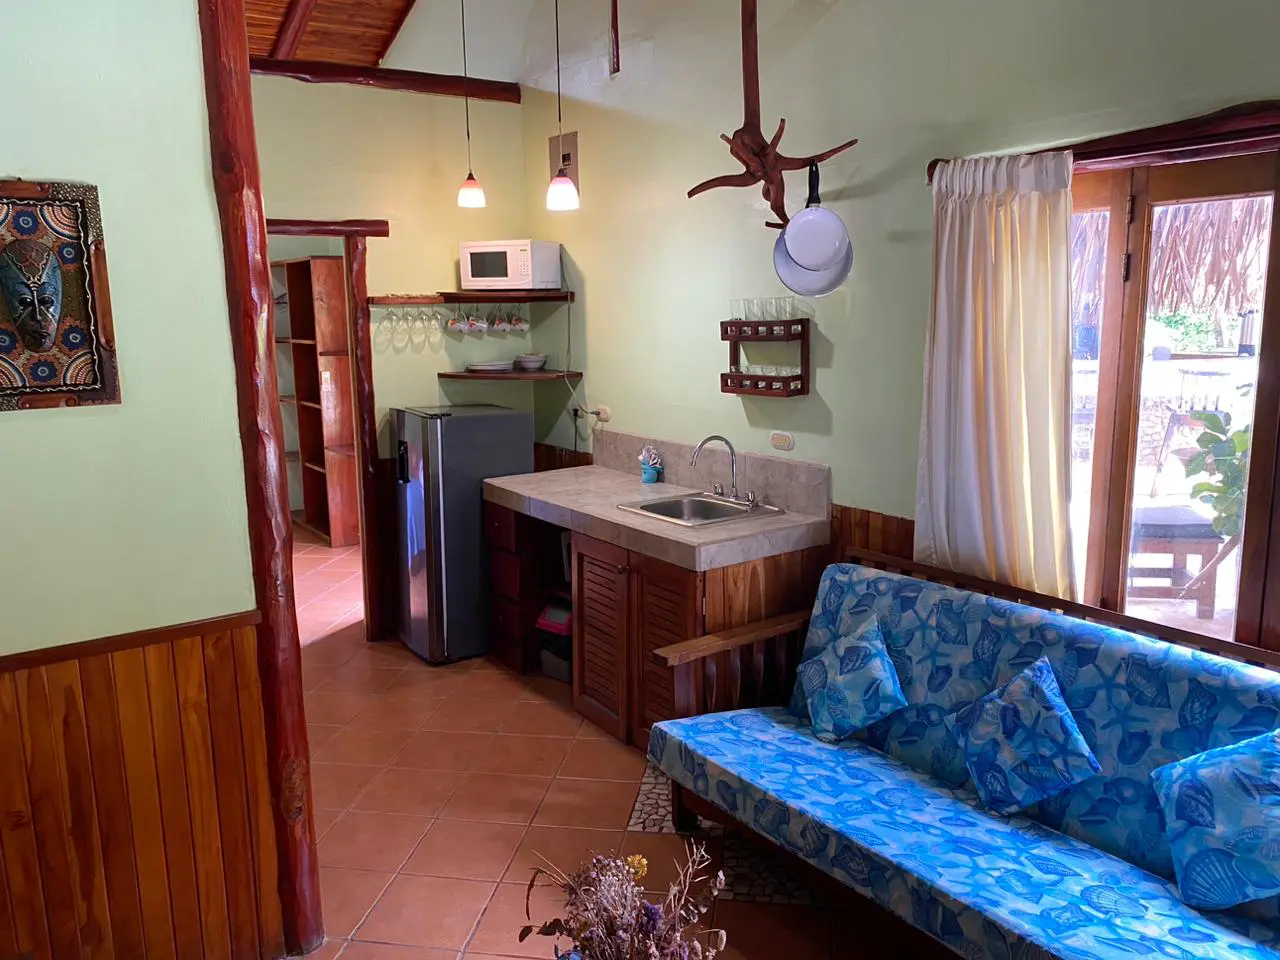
(851, 684)
(1222, 817)
(1021, 743)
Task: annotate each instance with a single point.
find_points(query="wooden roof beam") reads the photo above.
(292, 29)
(413, 81)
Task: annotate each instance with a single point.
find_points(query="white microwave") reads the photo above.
(509, 265)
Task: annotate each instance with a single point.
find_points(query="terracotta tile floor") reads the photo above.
(438, 789)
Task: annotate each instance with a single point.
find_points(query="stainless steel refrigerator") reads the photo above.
(442, 456)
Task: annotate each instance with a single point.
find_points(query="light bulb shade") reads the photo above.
(562, 193)
(471, 194)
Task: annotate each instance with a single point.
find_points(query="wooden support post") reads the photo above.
(375, 613)
(238, 189)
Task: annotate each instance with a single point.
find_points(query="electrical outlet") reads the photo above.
(604, 414)
(781, 440)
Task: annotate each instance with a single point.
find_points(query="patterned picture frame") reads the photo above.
(57, 342)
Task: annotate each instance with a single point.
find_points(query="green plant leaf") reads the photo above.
(1199, 463)
(1241, 438)
(1223, 450)
(1206, 487)
(1207, 440)
(1211, 421)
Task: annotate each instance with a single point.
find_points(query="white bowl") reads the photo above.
(530, 363)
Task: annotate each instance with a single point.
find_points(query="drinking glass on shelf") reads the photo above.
(769, 309)
(752, 310)
(786, 307)
(737, 309)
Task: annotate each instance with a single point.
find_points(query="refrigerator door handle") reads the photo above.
(402, 462)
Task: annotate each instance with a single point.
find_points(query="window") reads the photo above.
(1174, 409)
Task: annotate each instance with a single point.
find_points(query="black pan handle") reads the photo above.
(402, 462)
(814, 199)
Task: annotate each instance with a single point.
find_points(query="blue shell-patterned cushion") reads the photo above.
(851, 684)
(1222, 817)
(1020, 742)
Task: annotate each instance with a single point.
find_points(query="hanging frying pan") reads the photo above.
(816, 238)
(810, 283)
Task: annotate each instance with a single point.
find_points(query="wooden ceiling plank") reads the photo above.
(395, 30)
(413, 81)
(328, 228)
(295, 24)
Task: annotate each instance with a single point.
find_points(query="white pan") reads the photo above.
(810, 283)
(816, 238)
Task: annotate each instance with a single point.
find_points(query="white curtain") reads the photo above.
(992, 486)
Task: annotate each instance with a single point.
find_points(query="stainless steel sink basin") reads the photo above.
(697, 509)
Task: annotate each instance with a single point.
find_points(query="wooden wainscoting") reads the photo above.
(759, 589)
(135, 805)
(856, 529)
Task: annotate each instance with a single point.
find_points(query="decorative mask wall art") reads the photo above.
(57, 347)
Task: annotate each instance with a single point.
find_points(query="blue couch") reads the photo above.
(892, 814)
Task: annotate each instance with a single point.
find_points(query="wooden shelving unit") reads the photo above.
(738, 332)
(472, 296)
(527, 375)
(314, 380)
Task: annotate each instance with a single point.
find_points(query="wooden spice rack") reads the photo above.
(738, 332)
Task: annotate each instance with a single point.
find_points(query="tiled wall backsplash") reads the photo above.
(795, 485)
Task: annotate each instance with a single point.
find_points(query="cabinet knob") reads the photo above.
(621, 568)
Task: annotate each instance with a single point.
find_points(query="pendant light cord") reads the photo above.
(559, 106)
(466, 99)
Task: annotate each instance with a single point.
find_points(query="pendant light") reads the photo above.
(470, 194)
(562, 192)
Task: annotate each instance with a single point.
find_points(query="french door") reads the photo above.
(1176, 394)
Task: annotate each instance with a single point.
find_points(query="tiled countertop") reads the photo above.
(585, 500)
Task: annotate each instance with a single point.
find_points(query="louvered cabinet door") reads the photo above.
(600, 625)
(666, 608)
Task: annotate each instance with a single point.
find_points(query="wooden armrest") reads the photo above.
(713, 643)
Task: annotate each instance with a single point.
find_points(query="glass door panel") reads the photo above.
(1206, 279)
(1089, 234)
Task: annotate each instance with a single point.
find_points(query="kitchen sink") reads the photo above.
(697, 509)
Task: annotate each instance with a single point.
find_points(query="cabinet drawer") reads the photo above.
(500, 527)
(508, 575)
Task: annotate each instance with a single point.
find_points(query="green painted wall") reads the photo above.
(914, 79)
(332, 151)
(126, 517)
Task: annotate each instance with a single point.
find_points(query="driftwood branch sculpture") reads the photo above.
(761, 159)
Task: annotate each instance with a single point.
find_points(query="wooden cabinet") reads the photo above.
(666, 608)
(626, 605)
(313, 371)
(525, 571)
(601, 588)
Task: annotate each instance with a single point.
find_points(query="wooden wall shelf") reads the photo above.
(473, 296)
(755, 385)
(314, 381)
(774, 331)
(528, 375)
(738, 332)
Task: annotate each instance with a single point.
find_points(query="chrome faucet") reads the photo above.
(733, 464)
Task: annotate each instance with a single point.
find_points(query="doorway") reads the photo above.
(324, 387)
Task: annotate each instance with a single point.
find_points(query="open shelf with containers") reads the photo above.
(769, 384)
(313, 375)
